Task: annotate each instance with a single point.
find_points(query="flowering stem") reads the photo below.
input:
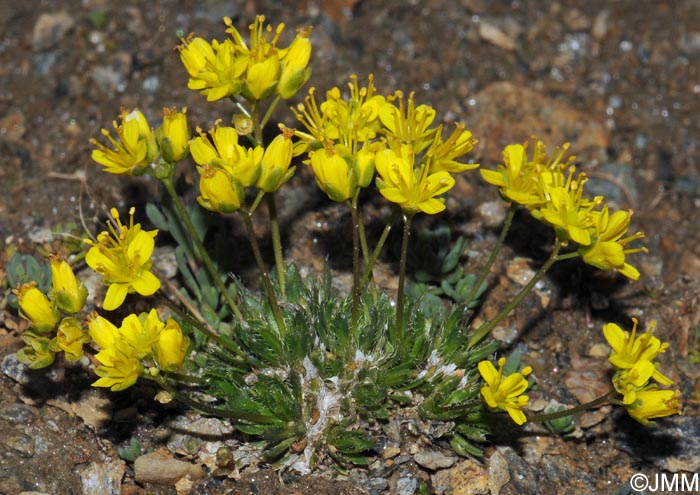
(190, 402)
(269, 290)
(276, 242)
(270, 109)
(540, 418)
(486, 327)
(375, 254)
(407, 218)
(184, 378)
(496, 249)
(199, 245)
(354, 209)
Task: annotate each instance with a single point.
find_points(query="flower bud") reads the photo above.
(174, 135)
(68, 292)
(295, 65)
(171, 347)
(37, 308)
(275, 162)
(218, 191)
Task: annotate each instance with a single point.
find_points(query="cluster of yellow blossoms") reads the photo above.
(348, 138)
(123, 258)
(229, 68)
(550, 189)
(633, 357)
(505, 392)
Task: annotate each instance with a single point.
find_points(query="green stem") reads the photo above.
(256, 202)
(354, 209)
(190, 402)
(407, 218)
(255, 117)
(269, 290)
(375, 254)
(494, 252)
(270, 109)
(184, 378)
(365, 258)
(486, 327)
(568, 256)
(199, 245)
(540, 418)
(277, 243)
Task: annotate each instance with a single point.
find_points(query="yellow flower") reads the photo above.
(69, 293)
(346, 122)
(119, 370)
(333, 174)
(123, 258)
(274, 168)
(565, 208)
(444, 153)
(174, 135)
(607, 250)
(36, 307)
(505, 393)
(103, 331)
(171, 347)
(37, 354)
(133, 149)
(516, 178)
(295, 64)
(213, 68)
(70, 338)
(408, 124)
(655, 403)
(218, 191)
(628, 349)
(412, 189)
(141, 333)
(630, 381)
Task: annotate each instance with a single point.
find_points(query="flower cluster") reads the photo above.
(123, 257)
(66, 296)
(349, 137)
(227, 168)
(140, 339)
(231, 68)
(550, 188)
(633, 357)
(505, 392)
(137, 146)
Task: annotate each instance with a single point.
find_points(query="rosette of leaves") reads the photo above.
(315, 391)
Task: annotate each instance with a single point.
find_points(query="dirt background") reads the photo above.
(620, 80)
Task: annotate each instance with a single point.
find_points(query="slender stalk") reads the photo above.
(270, 109)
(407, 218)
(486, 327)
(199, 245)
(540, 418)
(365, 258)
(354, 209)
(269, 290)
(494, 252)
(277, 243)
(256, 202)
(378, 248)
(190, 402)
(184, 378)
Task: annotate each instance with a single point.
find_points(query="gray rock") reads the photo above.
(434, 460)
(406, 486)
(22, 444)
(18, 413)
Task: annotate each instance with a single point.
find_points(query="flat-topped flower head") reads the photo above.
(133, 148)
(123, 257)
(608, 248)
(505, 392)
(213, 68)
(413, 189)
(118, 368)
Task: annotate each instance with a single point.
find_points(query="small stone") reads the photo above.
(406, 486)
(599, 350)
(498, 472)
(465, 478)
(519, 271)
(591, 418)
(103, 478)
(93, 408)
(22, 444)
(576, 20)
(132, 490)
(493, 213)
(164, 259)
(434, 460)
(494, 34)
(390, 452)
(162, 469)
(600, 25)
(50, 28)
(184, 486)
